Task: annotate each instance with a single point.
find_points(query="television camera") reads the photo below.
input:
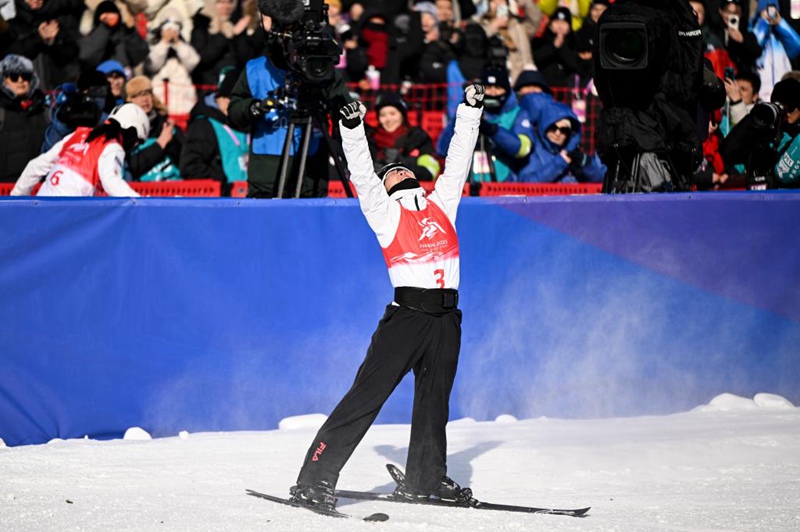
(648, 60)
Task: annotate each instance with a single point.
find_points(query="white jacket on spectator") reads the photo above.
(175, 67)
(158, 10)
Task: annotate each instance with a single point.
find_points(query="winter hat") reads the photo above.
(428, 7)
(787, 93)
(606, 3)
(138, 84)
(392, 99)
(106, 6)
(389, 167)
(17, 64)
(111, 66)
(228, 82)
(170, 18)
(496, 75)
(562, 13)
(532, 77)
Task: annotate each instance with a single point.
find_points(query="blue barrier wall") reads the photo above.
(203, 315)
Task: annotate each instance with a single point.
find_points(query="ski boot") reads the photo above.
(449, 490)
(319, 495)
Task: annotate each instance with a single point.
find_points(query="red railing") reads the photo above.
(428, 108)
(195, 188)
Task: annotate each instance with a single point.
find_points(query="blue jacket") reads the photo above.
(510, 144)
(545, 164)
(780, 44)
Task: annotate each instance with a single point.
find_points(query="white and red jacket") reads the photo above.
(417, 233)
(75, 167)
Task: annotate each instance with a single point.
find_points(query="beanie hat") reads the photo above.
(137, 84)
(392, 99)
(228, 82)
(562, 13)
(496, 75)
(787, 93)
(428, 7)
(527, 78)
(388, 168)
(107, 6)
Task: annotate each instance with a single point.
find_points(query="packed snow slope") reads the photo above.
(730, 465)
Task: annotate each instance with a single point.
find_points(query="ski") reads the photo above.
(399, 478)
(376, 517)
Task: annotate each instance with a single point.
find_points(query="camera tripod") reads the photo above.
(305, 118)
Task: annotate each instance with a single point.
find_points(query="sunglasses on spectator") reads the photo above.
(16, 76)
(146, 92)
(565, 130)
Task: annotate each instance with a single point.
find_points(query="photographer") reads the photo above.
(767, 140)
(270, 92)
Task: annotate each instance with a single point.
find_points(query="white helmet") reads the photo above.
(131, 115)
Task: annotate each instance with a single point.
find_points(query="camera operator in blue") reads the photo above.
(556, 156)
(787, 94)
(505, 127)
(260, 106)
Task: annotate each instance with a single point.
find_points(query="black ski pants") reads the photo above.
(405, 340)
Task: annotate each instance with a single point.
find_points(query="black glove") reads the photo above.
(257, 109)
(488, 128)
(352, 114)
(473, 95)
(578, 158)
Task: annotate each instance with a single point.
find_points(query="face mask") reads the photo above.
(495, 103)
(405, 184)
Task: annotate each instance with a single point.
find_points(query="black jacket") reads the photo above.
(21, 133)
(407, 150)
(557, 65)
(201, 157)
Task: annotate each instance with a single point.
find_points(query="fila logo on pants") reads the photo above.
(318, 451)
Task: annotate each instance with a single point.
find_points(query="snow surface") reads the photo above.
(731, 465)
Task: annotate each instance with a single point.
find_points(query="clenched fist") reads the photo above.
(473, 95)
(352, 114)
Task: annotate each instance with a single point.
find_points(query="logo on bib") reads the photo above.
(429, 229)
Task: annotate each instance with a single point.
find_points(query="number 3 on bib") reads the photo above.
(439, 276)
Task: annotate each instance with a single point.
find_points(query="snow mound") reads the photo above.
(2, 443)
(728, 402)
(183, 435)
(309, 421)
(772, 401)
(136, 433)
(505, 419)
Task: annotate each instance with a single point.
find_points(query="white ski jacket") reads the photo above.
(418, 239)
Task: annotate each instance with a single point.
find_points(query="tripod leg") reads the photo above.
(306, 135)
(337, 161)
(284, 166)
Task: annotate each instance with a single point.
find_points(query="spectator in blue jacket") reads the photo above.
(556, 156)
(533, 93)
(505, 131)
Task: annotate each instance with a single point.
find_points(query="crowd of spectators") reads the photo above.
(68, 63)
